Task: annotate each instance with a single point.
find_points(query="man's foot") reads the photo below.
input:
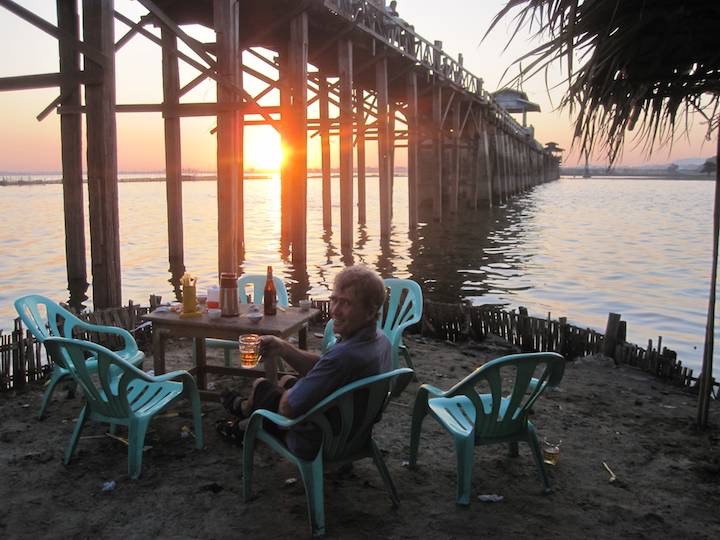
(230, 431)
(234, 403)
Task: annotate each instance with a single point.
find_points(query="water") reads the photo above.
(574, 248)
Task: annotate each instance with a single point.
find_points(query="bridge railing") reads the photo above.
(402, 37)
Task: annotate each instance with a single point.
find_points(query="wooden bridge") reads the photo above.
(366, 75)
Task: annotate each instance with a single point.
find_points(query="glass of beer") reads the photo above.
(551, 452)
(249, 350)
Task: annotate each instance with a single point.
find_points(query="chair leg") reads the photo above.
(136, 443)
(55, 378)
(537, 455)
(79, 423)
(464, 450)
(406, 354)
(384, 473)
(311, 473)
(418, 415)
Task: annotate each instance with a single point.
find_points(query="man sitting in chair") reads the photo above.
(362, 350)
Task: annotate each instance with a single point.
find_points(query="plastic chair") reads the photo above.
(122, 394)
(475, 419)
(404, 308)
(44, 318)
(346, 437)
(257, 284)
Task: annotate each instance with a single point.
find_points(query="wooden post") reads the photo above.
(611, 334)
(345, 70)
(325, 150)
(71, 142)
(297, 72)
(526, 341)
(99, 33)
(488, 165)
(381, 84)
(413, 147)
(173, 159)
(360, 142)
(228, 175)
(286, 204)
(437, 162)
(455, 190)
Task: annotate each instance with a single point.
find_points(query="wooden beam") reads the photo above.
(384, 163)
(325, 152)
(345, 70)
(437, 151)
(297, 63)
(71, 153)
(98, 29)
(46, 80)
(413, 147)
(173, 154)
(360, 149)
(229, 173)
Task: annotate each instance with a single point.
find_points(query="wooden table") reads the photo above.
(169, 324)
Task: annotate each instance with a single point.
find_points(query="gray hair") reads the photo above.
(365, 285)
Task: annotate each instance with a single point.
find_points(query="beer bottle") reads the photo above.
(270, 294)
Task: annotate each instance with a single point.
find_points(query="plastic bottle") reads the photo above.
(269, 294)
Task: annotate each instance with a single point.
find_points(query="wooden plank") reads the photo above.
(47, 80)
(437, 162)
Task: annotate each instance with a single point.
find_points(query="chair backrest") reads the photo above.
(515, 382)
(45, 318)
(111, 391)
(347, 416)
(256, 283)
(404, 305)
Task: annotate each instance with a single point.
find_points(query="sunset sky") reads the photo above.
(27, 145)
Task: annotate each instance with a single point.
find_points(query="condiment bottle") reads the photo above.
(269, 294)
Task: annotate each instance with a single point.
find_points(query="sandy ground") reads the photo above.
(667, 475)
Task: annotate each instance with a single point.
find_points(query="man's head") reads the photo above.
(358, 293)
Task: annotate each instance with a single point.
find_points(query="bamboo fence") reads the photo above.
(22, 359)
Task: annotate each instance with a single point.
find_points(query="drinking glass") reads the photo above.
(249, 350)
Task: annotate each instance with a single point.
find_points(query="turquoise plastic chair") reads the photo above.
(475, 419)
(44, 318)
(346, 437)
(256, 284)
(404, 308)
(121, 394)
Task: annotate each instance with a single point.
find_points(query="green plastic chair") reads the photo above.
(121, 394)
(44, 318)
(346, 437)
(256, 284)
(404, 308)
(475, 419)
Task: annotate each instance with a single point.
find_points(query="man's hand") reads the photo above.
(271, 346)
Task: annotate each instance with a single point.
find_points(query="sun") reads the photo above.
(263, 149)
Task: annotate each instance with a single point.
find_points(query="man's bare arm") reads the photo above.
(301, 361)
